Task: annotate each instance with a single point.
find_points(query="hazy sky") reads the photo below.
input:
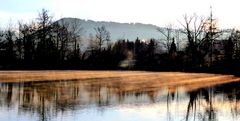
(157, 12)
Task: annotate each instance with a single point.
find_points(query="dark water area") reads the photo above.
(108, 100)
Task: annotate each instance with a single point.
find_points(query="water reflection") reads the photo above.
(45, 101)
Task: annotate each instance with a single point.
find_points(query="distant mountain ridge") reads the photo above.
(117, 30)
(129, 31)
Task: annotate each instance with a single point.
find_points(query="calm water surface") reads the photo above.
(111, 100)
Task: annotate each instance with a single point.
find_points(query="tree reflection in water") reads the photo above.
(48, 99)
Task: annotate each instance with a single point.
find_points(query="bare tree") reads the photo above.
(102, 35)
(201, 33)
(63, 38)
(92, 43)
(44, 22)
(177, 39)
(168, 34)
(194, 30)
(75, 29)
(25, 41)
(46, 51)
(211, 33)
(44, 19)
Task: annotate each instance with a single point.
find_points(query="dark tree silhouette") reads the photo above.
(173, 49)
(48, 44)
(46, 51)
(10, 53)
(193, 28)
(229, 49)
(26, 42)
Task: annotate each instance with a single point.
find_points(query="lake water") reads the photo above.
(110, 99)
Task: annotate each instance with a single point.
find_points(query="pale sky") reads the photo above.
(157, 12)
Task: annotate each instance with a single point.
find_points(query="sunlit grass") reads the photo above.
(136, 92)
(127, 80)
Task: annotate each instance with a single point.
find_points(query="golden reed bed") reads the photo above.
(133, 80)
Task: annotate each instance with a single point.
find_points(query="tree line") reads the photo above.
(48, 44)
